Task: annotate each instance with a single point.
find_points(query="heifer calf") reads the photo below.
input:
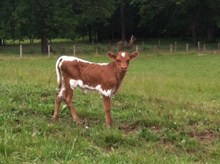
(105, 78)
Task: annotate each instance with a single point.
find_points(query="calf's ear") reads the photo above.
(111, 55)
(134, 55)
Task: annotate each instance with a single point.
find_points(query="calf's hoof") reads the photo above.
(55, 117)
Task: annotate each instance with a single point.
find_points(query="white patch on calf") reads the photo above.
(72, 58)
(61, 91)
(76, 83)
(123, 54)
(79, 83)
(107, 93)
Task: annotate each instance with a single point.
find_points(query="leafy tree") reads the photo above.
(104, 19)
(8, 26)
(179, 17)
(65, 19)
(124, 21)
(93, 16)
(25, 20)
(43, 12)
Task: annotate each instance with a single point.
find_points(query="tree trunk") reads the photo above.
(90, 34)
(211, 34)
(122, 15)
(31, 39)
(194, 35)
(44, 42)
(194, 31)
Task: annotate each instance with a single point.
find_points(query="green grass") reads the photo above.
(167, 111)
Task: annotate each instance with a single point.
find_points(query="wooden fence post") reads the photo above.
(21, 51)
(136, 47)
(158, 44)
(97, 51)
(198, 46)
(175, 46)
(48, 50)
(117, 47)
(74, 50)
(171, 48)
(187, 47)
(204, 47)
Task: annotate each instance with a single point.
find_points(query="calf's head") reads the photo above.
(122, 59)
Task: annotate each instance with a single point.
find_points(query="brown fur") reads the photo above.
(108, 76)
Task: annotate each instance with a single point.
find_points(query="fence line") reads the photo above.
(100, 49)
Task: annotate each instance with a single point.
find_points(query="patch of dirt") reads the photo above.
(206, 136)
(130, 128)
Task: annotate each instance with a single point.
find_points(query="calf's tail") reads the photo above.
(58, 72)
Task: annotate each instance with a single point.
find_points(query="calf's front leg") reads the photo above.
(107, 109)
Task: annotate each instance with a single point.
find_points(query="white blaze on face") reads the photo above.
(123, 54)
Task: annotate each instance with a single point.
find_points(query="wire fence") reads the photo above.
(70, 48)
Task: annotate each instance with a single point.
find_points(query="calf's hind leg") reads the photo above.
(68, 100)
(58, 101)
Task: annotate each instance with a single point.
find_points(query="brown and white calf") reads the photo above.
(105, 78)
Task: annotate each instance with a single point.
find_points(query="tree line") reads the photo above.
(99, 20)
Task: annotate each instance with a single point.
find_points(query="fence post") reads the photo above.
(198, 46)
(218, 45)
(136, 47)
(74, 50)
(171, 48)
(204, 47)
(187, 47)
(142, 45)
(48, 50)
(175, 46)
(21, 51)
(97, 51)
(117, 47)
(158, 44)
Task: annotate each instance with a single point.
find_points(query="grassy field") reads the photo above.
(167, 111)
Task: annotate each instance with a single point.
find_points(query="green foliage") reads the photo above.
(148, 135)
(102, 19)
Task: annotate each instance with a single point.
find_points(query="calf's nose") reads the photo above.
(124, 67)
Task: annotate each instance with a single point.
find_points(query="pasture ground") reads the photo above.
(167, 111)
